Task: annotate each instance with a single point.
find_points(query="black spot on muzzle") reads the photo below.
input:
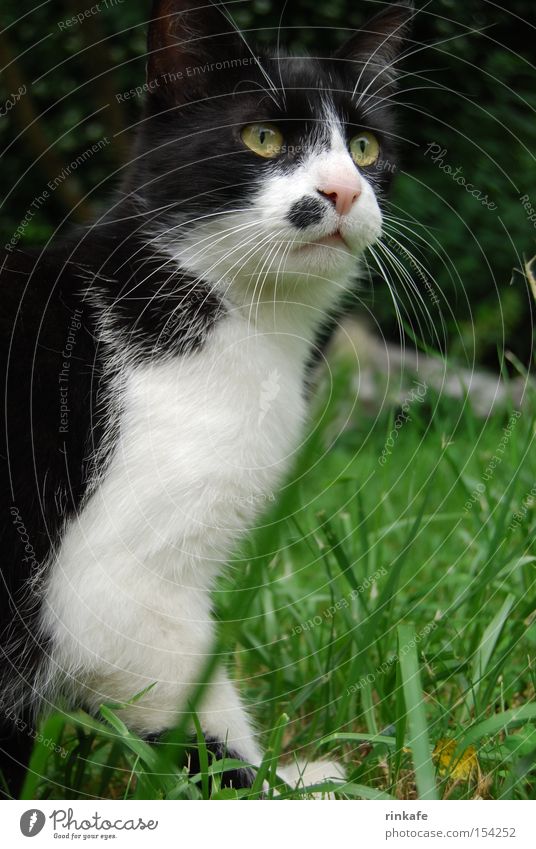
(305, 212)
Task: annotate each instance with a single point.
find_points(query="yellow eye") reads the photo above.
(364, 149)
(263, 139)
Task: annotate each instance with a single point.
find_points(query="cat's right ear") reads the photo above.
(372, 53)
(186, 36)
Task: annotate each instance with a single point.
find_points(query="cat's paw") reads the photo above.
(302, 774)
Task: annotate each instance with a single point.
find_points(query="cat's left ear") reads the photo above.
(375, 48)
(184, 38)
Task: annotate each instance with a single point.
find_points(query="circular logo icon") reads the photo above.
(32, 822)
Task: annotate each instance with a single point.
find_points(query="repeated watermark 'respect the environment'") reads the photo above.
(90, 12)
(530, 211)
(40, 200)
(386, 665)
(520, 515)
(189, 72)
(416, 267)
(341, 604)
(493, 462)
(23, 727)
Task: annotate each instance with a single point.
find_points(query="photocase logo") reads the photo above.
(32, 822)
(269, 391)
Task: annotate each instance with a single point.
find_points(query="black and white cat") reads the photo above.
(139, 441)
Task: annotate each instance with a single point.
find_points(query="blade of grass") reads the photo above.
(418, 739)
(497, 724)
(52, 731)
(352, 737)
(484, 652)
(276, 745)
(337, 550)
(358, 791)
(203, 757)
(400, 724)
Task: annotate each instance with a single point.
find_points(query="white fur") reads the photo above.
(128, 599)
(204, 441)
(302, 774)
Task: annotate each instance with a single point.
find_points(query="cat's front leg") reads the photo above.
(228, 731)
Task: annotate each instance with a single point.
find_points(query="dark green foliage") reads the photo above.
(469, 88)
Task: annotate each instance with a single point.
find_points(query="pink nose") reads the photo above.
(342, 195)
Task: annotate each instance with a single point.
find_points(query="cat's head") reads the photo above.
(256, 165)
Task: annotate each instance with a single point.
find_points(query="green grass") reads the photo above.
(380, 609)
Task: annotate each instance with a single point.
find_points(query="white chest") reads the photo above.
(204, 441)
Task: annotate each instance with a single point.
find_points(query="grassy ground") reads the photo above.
(383, 616)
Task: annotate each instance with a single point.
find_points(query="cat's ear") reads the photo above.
(186, 36)
(376, 47)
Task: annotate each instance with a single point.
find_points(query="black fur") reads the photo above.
(237, 778)
(217, 751)
(16, 743)
(306, 211)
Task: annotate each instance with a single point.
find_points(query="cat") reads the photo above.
(153, 368)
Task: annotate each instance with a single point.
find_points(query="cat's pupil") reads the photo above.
(262, 136)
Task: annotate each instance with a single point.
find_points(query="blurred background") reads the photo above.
(468, 88)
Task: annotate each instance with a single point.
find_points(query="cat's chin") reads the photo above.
(336, 253)
(330, 255)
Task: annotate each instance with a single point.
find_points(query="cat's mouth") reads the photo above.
(333, 240)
